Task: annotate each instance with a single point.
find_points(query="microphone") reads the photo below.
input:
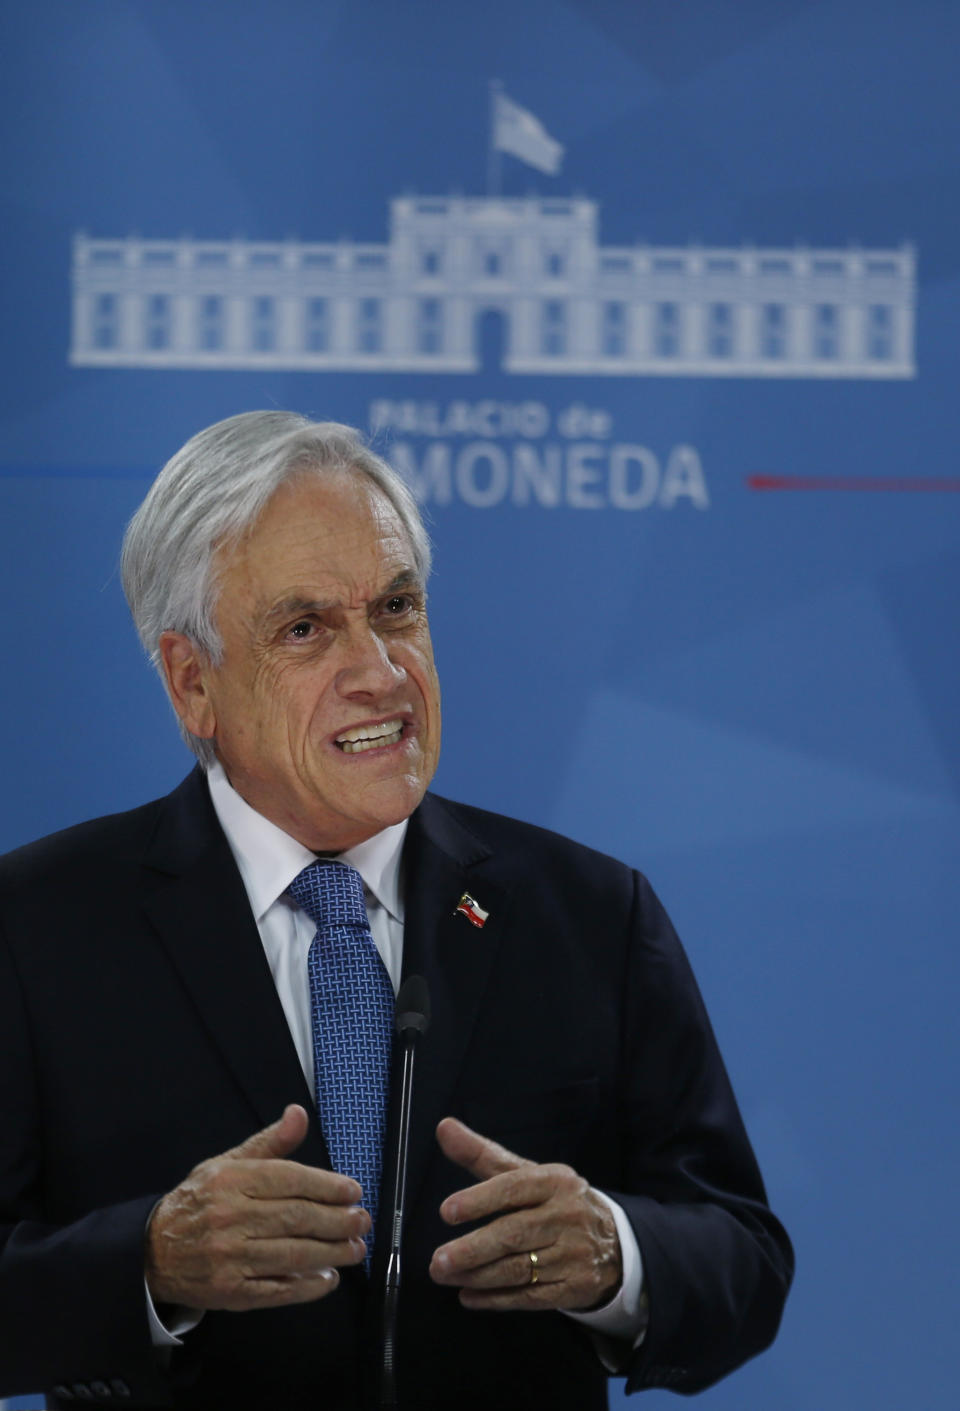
(413, 1007)
(412, 1020)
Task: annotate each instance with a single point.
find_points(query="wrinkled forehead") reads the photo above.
(347, 485)
(319, 523)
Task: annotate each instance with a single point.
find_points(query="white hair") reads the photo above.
(209, 495)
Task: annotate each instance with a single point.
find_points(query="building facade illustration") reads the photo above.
(531, 269)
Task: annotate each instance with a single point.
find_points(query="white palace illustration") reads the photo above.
(531, 269)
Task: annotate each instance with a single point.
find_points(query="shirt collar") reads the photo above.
(269, 858)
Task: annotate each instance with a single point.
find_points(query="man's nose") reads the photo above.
(367, 667)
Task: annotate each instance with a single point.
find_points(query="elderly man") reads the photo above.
(196, 1016)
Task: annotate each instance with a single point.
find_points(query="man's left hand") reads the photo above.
(546, 1210)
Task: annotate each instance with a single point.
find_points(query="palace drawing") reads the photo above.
(531, 268)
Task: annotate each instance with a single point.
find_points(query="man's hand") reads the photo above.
(249, 1229)
(549, 1211)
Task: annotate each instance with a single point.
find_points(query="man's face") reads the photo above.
(325, 709)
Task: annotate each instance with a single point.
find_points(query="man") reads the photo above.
(194, 1085)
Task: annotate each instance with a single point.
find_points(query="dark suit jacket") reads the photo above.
(140, 1032)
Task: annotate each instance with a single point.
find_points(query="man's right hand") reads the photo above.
(250, 1229)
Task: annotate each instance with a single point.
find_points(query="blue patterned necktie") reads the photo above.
(351, 1007)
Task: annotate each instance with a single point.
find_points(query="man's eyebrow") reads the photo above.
(295, 605)
(407, 578)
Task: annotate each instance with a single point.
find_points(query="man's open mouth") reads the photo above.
(370, 737)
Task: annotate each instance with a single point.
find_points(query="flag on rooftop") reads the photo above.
(517, 131)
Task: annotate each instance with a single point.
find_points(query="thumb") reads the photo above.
(480, 1156)
(279, 1139)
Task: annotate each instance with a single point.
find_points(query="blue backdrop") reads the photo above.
(681, 402)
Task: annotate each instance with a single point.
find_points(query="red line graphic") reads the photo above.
(871, 484)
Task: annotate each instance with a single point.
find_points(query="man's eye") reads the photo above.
(300, 630)
(395, 607)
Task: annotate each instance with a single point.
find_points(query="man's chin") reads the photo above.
(393, 803)
(381, 805)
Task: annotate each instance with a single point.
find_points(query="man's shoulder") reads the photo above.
(563, 885)
(112, 839)
(502, 834)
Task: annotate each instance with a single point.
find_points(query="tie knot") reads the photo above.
(331, 893)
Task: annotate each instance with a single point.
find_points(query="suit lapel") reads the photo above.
(197, 903)
(442, 860)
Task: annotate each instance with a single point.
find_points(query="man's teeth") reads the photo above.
(370, 737)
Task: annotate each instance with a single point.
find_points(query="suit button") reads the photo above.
(101, 1389)
(64, 1393)
(119, 1387)
(82, 1392)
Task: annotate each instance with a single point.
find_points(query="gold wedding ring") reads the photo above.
(534, 1268)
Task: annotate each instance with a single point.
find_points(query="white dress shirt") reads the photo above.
(269, 859)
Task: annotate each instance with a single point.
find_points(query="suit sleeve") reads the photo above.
(72, 1309)
(717, 1263)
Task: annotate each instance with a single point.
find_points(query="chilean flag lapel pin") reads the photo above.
(472, 910)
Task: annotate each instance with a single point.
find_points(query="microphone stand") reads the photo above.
(412, 1019)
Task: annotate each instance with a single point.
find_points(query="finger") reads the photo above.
(478, 1155)
(555, 1288)
(281, 1259)
(303, 1219)
(526, 1186)
(245, 1294)
(280, 1293)
(512, 1272)
(287, 1180)
(279, 1139)
(510, 1235)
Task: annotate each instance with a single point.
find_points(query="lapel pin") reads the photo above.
(472, 910)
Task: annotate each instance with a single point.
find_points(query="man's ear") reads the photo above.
(185, 668)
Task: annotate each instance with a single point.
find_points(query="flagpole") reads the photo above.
(493, 155)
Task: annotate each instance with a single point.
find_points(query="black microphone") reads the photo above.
(412, 1019)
